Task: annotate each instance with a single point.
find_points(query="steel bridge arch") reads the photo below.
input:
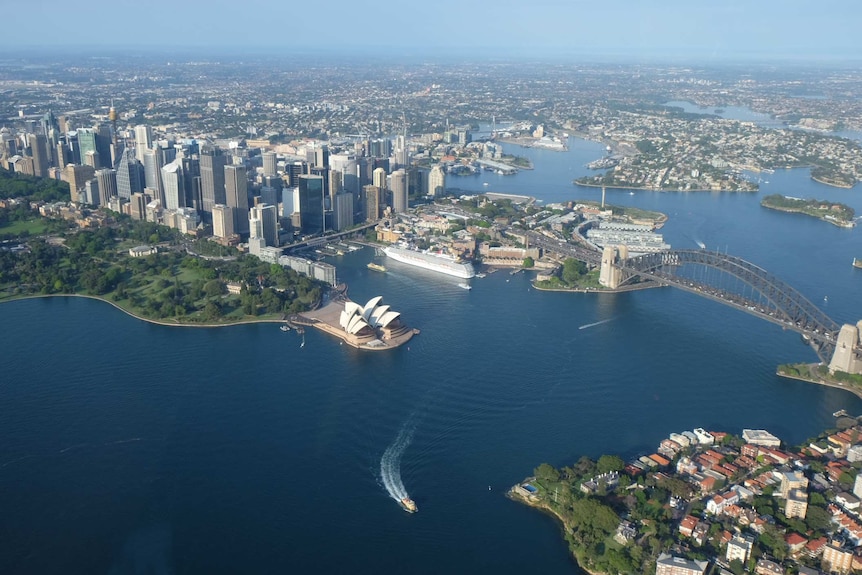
(794, 310)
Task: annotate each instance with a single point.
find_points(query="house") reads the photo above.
(687, 525)
(795, 543)
(700, 533)
(626, 532)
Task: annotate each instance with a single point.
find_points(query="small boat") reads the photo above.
(376, 267)
(465, 286)
(857, 263)
(409, 505)
(285, 327)
(631, 193)
(484, 183)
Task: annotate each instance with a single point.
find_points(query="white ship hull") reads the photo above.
(431, 262)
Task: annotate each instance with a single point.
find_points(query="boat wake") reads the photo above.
(390, 463)
(589, 325)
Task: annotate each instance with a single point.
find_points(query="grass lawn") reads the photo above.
(34, 227)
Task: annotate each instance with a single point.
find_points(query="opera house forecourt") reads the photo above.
(373, 326)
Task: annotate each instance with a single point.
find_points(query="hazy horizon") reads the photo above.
(673, 30)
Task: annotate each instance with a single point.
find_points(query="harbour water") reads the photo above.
(129, 446)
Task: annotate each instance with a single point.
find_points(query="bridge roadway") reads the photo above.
(779, 303)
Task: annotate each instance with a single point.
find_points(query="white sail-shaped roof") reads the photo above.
(352, 307)
(377, 314)
(344, 319)
(357, 323)
(388, 318)
(373, 303)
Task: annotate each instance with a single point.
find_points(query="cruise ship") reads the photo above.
(433, 262)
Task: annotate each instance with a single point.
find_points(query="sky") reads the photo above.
(646, 29)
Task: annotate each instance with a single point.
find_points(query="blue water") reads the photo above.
(129, 447)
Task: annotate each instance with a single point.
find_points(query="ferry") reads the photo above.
(409, 505)
(376, 267)
(464, 285)
(857, 263)
(429, 261)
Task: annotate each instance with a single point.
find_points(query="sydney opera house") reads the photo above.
(373, 326)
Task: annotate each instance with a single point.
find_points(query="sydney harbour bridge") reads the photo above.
(724, 278)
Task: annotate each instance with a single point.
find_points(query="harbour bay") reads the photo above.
(233, 450)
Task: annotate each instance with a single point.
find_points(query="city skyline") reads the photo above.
(549, 28)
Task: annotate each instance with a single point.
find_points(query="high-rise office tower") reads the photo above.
(399, 191)
(343, 211)
(270, 163)
(173, 187)
(153, 174)
(107, 179)
(212, 162)
(102, 134)
(263, 223)
(236, 196)
(436, 182)
(311, 211)
(373, 200)
(129, 175)
(321, 156)
(143, 140)
(378, 178)
(346, 165)
(335, 186)
(75, 175)
(87, 150)
(269, 195)
(191, 170)
(90, 194)
(295, 170)
(138, 206)
(39, 151)
(222, 221)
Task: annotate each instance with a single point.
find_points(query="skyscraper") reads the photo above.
(378, 178)
(153, 174)
(87, 150)
(270, 163)
(107, 179)
(311, 204)
(263, 223)
(399, 191)
(236, 196)
(129, 175)
(222, 221)
(39, 151)
(343, 211)
(212, 162)
(372, 202)
(143, 140)
(172, 179)
(436, 182)
(76, 175)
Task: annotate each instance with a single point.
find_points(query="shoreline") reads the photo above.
(514, 496)
(836, 223)
(138, 317)
(615, 187)
(835, 385)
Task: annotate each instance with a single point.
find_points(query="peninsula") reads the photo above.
(742, 503)
(837, 214)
